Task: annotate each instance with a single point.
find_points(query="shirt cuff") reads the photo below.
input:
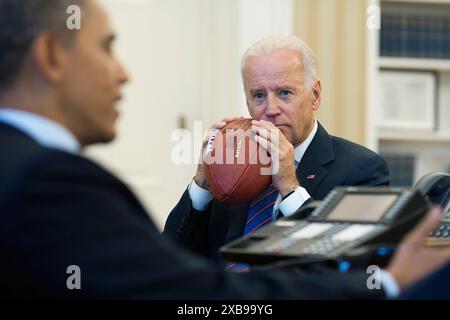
(200, 197)
(390, 285)
(293, 202)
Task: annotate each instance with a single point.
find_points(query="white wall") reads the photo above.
(184, 60)
(260, 18)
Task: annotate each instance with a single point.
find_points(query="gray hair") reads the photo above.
(20, 22)
(271, 44)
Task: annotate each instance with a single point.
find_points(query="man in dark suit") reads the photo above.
(283, 91)
(70, 229)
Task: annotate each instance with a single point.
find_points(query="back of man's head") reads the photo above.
(20, 22)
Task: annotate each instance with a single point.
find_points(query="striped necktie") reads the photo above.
(261, 209)
(259, 214)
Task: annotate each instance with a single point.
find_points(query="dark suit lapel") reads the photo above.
(310, 173)
(237, 216)
(311, 170)
(7, 128)
(227, 223)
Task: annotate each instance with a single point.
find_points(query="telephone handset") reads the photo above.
(348, 218)
(436, 188)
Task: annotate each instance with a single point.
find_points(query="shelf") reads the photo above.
(414, 63)
(414, 137)
(420, 1)
(427, 149)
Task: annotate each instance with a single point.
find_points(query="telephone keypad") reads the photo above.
(322, 247)
(324, 244)
(442, 231)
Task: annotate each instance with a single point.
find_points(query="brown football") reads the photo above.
(236, 168)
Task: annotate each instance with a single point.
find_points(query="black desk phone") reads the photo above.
(348, 218)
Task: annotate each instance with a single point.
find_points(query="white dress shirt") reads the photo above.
(43, 130)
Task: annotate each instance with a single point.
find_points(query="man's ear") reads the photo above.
(316, 95)
(48, 56)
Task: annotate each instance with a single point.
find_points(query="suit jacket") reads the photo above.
(433, 287)
(59, 210)
(334, 162)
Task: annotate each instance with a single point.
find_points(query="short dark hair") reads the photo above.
(20, 22)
